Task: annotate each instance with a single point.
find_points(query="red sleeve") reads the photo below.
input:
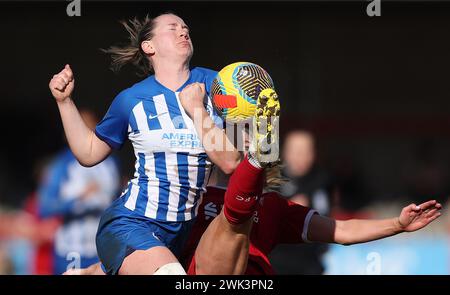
(295, 222)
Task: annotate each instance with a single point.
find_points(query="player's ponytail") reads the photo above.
(139, 31)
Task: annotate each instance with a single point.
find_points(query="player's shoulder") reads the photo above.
(129, 97)
(140, 89)
(203, 75)
(272, 202)
(124, 98)
(204, 71)
(275, 198)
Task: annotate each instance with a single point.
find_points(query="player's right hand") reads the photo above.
(62, 84)
(191, 97)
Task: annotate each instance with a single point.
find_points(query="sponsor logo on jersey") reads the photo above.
(211, 210)
(245, 199)
(151, 117)
(182, 140)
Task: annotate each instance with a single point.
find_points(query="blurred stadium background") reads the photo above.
(373, 92)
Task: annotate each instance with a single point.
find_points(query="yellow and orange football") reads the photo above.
(236, 88)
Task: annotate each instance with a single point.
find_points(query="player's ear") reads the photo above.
(147, 47)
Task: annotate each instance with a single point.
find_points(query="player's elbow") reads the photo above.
(85, 163)
(342, 234)
(86, 160)
(226, 169)
(344, 241)
(229, 166)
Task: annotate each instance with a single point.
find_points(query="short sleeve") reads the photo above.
(113, 128)
(295, 224)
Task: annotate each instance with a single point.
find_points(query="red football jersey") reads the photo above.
(276, 221)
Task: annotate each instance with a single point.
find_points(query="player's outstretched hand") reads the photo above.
(415, 217)
(62, 84)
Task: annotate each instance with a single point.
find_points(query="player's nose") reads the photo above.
(184, 33)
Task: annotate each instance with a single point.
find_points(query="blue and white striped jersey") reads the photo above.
(172, 167)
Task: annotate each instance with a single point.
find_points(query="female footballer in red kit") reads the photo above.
(251, 223)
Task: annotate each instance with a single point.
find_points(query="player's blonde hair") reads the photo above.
(274, 177)
(139, 31)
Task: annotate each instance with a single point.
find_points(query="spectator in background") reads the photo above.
(309, 187)
(28, 240)
(6, 267)
(78, 195)
(427, 173)
(42, 231)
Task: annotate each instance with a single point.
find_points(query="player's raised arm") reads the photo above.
(86, 146)
(217, 145)
(353, 231)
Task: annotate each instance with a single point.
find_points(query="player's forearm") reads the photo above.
(78, 135)
(217, 145)
(356, 231)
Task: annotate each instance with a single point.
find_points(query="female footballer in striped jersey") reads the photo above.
(142, 232)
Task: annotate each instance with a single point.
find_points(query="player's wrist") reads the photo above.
(398, 226)
(64, 101)
(197, 111)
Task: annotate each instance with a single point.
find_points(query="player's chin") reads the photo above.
(186, 50)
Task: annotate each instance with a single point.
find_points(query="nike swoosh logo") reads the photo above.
(156, 116)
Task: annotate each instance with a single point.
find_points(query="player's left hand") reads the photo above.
(415, 217)
(191, 98)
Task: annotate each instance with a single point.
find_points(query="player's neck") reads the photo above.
(171, 75)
